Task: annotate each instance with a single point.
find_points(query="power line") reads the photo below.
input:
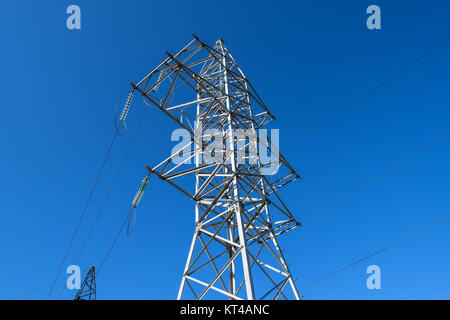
(372, 180)
(373, 89)
(363, 186)
(380, 85)
(31, 291)
(315, 129)
(161, 227)
(356, 189)
(110, 189)
(83, 212)
(112, 184)
(444, 297)
(116, 134)
(425, 293)
(118, 235)
(131, 211)
(61, 281)
(105, 258)
(377, 252)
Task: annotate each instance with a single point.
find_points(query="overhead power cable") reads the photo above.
(444, 297)
(361, 187)
(135, 201)
(105, 258)
(111, 187)
(354, 191)
(127, 220)
(377, 87)
(372, 180)
(112, 184)
(377, 252)
(425, 293)
(91, 193)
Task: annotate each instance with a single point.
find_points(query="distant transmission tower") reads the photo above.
(234, 252)
(87, 290)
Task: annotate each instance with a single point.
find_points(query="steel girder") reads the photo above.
(88, 289)
(234, 252)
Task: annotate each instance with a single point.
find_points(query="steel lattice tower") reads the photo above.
(239, 214)
(88, 290)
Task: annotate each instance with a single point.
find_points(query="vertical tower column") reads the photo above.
(234, 252)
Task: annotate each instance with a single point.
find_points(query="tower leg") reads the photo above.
(286, 268)
(188, 262)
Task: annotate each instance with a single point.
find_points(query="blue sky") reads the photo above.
(308, 61)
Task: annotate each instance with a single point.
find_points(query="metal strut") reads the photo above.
(239, 215)
(88, 289)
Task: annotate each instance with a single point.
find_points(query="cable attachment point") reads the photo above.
(140, 193)
(158, 83)
(126, 108)
(136, 200)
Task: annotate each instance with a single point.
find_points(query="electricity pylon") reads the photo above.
(88, 290)
(234, 251)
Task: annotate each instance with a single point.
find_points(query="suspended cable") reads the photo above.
(116, 133)
(444, 297)
(140, 192)
(83, 247)
(112, 184)
(380, 85)
(105, 258)
(372, 180)
(127, 220)
(159, 228)
(425, 293)
(59, 282)
(83, 213)
(33, 290)
(363, 186)
(377, 252)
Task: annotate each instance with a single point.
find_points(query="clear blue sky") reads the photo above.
(308, 60)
